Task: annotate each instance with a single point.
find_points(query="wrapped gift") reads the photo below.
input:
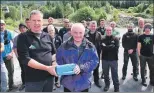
(66, 69)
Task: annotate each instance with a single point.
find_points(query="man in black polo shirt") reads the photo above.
(36, 50)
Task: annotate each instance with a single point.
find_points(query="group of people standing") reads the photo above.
(40, 50)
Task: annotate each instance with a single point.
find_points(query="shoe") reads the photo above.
(106, 88)
(102, 76)
(21, 87)
(98, 84)
(116, 90)
(124, 77)
(57, 84)
(144, 83)
(135, 78)
(12, 88)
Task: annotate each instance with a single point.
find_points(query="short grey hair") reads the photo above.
(33, 12)
(93, 22)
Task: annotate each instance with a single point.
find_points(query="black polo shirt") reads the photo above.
(40, 49)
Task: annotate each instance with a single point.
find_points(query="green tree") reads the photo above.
(68, 10)
(13, 13)
(115, 15)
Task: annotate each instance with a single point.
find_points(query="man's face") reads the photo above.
(141, 24)
(50, 21)
(51, 31)
(112, 25)
(93, 27)
(2, 26)
(22, 29)
(78, 34)
(36, 23)
(102, 23)
(108, 31)
(28, 23)
(147, 30)
(130, 27)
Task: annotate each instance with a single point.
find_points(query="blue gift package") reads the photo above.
(66, 69)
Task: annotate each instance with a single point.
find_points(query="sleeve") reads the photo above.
(91, 64)
(15, 42)
(123, 41)
(10, 35)
(139, 39)
(59, 58)
(53, 48)
(2, 40)
(22, 49)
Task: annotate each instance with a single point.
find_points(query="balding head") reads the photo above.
(113, 24)
(141, 23)
(66, 23)
(108, 30)
(77, 31)
(50, 20)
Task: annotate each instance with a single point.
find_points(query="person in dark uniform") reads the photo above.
(110, 47)
(95, 37)
(129, 43)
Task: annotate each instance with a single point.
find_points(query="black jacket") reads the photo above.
(30, 47)
(110, 47)
(129, 41)
(96, 41)
(57, 41)
(62, 31)
(101, 30)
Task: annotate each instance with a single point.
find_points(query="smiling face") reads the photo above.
(77, 32)
(108, 31)
(36, 23)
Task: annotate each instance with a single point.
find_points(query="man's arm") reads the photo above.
(91, 64)
(2, 47)
(23, 54)
(138, 48)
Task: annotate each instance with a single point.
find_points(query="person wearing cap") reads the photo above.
(129, 43)
(22, 29)
(145, 52)
(7, 54)
(64, 30)
(50, 22)
(3, 86)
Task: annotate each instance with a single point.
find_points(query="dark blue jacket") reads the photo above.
(88, 60)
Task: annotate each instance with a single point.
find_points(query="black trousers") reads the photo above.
(134, 61)
(96, 73)
(67, 90)
(10, 68)
(22, 71)
(150, 62)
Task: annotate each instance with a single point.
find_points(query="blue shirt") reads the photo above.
(7, 48)
(1, 59)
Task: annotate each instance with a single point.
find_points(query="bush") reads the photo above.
(82, 14)
(143, 15)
